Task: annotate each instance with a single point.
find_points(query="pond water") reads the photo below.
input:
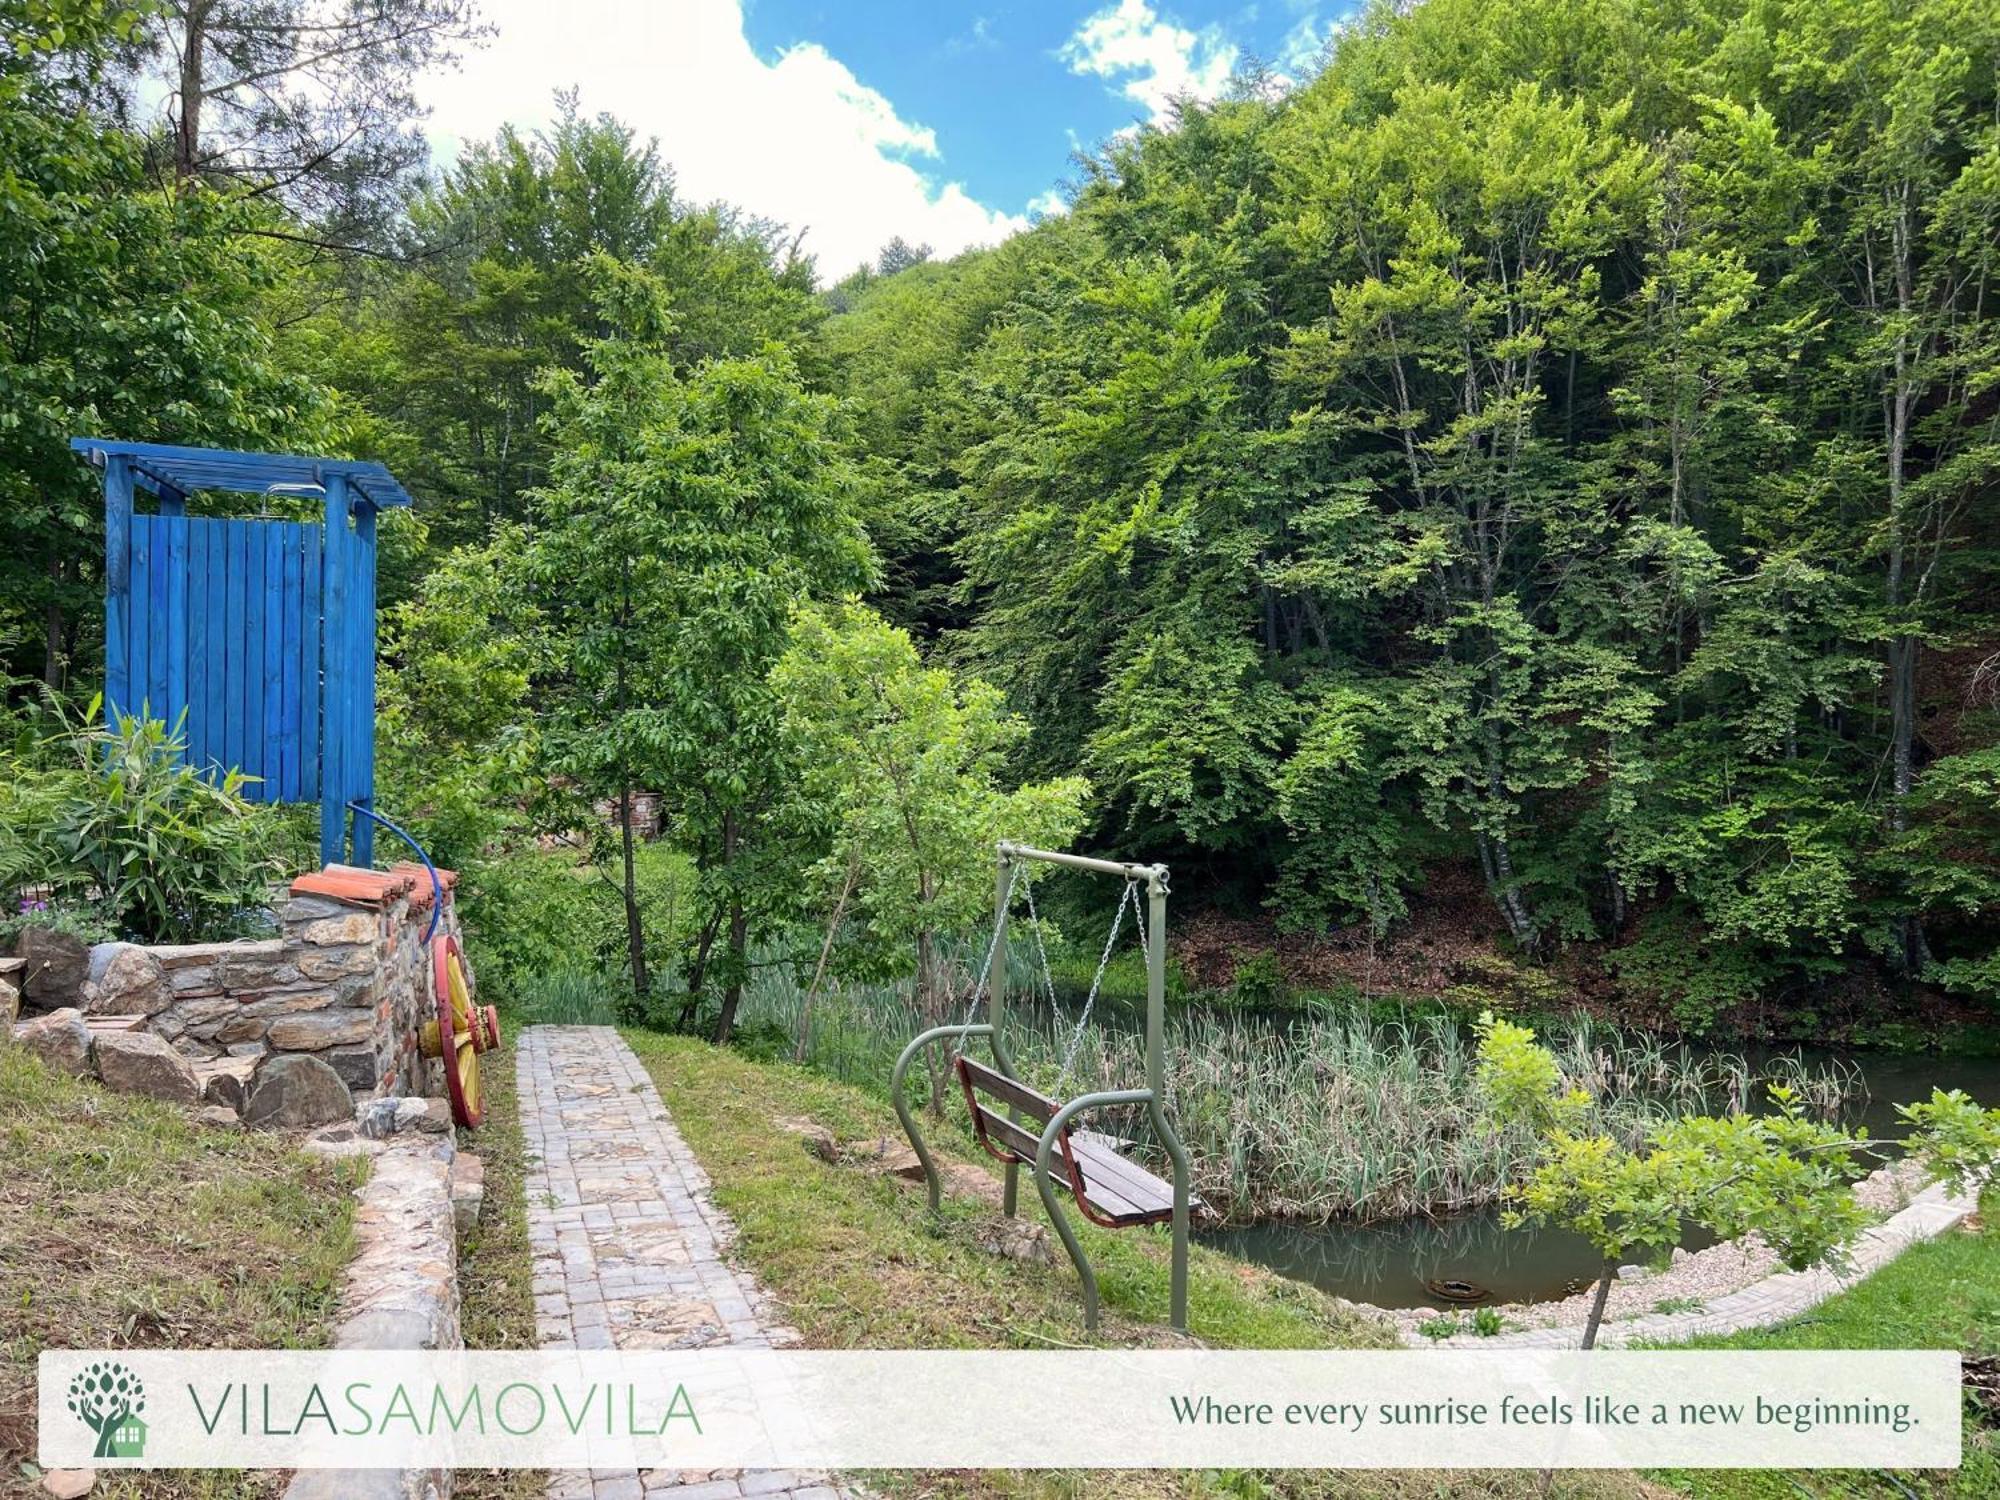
(1387, 1264)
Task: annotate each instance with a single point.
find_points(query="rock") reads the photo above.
(819, 1142)
(137, 1062)
(353, 927)
(1634, 1273)
(336, 1141)
(240, 1031)
(200, 1015)
(1014, 1239)
(437, 1117)
(900, 1161)
(337, 963)
(68, 1484)
(54, 966)
(10, 1002)
(59, 1039)
(1680, 1254)
(308, 908)
(381, 1118)
(218, 1117)
(293, 1092)
(226, 1081)
(289, 1003)
(320, 1028)
(263, 965)
(129, 981)
(357, 1067)
(468, 1190)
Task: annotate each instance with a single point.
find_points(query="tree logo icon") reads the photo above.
(110, 1400)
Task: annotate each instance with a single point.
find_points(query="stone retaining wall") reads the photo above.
(346, 981)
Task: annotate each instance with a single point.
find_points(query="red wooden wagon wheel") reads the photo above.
(460, 1032)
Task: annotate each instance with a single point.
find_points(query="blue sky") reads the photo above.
(857, 120)
(999, 82)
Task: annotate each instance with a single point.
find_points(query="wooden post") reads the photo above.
(117, 585)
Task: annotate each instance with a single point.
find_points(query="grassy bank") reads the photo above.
(857, 1259)
(124, 1225)
(858, 1263)
(1942, 1294)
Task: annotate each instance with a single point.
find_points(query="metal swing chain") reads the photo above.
(1131, 898)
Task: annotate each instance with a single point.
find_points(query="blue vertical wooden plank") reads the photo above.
(195, 644)
(334, 707)
(156, 624)
(364, 671)
(271, 533)
(175, 527)
(117, 584)
(285, 680)
(309, 667)
(140, 637)
(234, 565)
(216, 689)
(254, 686)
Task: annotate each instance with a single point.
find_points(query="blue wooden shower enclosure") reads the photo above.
(256, 635)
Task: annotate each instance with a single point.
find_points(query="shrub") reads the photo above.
(128, 831)
(537, 913)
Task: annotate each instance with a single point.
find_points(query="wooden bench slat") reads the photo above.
(1008, 1090)
(1116, 1190)
(1016, 1138)
(1131, 1181)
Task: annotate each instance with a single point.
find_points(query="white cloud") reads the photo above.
(797, 138)
(1152, 60)
(1304, 46)
(1048, 205)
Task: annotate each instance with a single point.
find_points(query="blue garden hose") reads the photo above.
(437, 886)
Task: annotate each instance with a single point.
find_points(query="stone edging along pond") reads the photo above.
(1771, 1300)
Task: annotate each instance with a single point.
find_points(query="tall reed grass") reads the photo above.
(1337, 1114)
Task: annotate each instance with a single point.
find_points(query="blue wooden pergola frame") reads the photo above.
(256, 634)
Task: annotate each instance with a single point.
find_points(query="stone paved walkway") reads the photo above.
(1762, 1303)
(630, 1249)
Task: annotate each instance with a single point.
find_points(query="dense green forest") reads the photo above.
(1533, 486)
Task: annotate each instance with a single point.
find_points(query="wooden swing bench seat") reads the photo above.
(1109, 1190)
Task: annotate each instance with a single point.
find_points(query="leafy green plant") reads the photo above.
(1443, 1326)
(1779, 1175)
(1487, 1322)
(161, 851)
(81, 922)
(1258, 983)
(536, 913)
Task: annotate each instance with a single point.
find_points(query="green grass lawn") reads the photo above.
(1943, 1294)
(125, 1225)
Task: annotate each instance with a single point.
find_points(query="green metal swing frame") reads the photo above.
(1054, 1135)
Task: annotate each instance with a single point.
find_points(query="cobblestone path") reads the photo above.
(630, 1249)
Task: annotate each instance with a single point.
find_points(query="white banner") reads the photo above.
(998, 1410)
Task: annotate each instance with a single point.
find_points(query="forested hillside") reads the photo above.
(1559, 440)
(1537, 478)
